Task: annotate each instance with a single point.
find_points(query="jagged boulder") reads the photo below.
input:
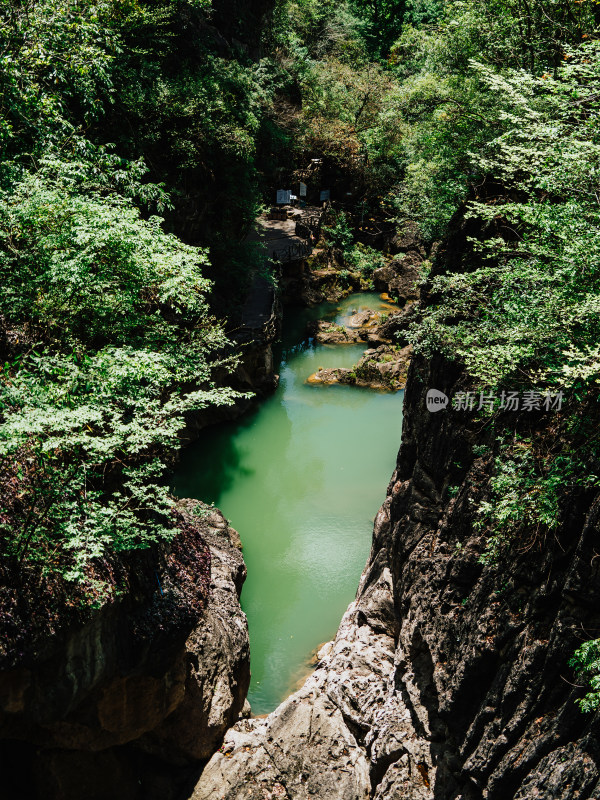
(400, 277)
(363, 326)
(383, 368)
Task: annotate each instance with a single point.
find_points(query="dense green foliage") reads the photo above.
(107, 334)
(113, 320)
(112, 113)
(586, 663)
(114, 315)
(131, 130)
(531, 306)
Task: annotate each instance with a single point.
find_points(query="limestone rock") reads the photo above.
(305, 750)
(362, 327)
(400, 278)
(383, 368)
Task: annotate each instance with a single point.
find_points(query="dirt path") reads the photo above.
(281, 243)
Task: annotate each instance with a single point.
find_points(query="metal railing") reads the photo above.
(313, 222)
(293, 252)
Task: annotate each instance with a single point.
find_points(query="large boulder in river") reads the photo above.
(364, 326)
(400, 277)
(383, 368)
(365, 318)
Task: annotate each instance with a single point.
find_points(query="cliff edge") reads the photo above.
(126, 700)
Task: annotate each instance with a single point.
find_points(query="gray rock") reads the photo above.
(218, 656)
(400, 277)
(147, 685)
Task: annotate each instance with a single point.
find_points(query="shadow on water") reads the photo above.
(217, 473)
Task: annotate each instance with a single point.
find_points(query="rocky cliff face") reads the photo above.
(448, 678)
(120, 705)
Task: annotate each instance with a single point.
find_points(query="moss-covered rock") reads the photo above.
(383, 368)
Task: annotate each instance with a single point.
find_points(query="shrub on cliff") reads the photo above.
(112, 343)
(586, 663)
(527, 307)
(105, 331)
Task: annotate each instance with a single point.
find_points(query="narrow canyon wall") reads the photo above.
(127, 704)
(448, 678)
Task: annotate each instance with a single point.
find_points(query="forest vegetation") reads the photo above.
(139, 141)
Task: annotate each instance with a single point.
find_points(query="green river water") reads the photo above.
(301, 478)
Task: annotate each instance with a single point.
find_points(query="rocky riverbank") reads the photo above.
(363, 326)
(384, 366)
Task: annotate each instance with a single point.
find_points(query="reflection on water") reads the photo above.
(301, 479)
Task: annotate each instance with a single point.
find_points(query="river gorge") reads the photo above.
(301, 479)
(243, 246)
